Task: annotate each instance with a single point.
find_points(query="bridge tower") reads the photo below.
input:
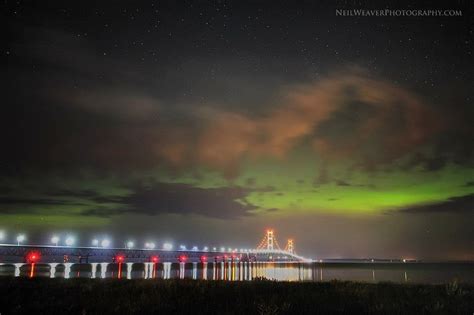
(290, 247)
(270, 239)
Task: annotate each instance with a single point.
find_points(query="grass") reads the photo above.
(111, 296)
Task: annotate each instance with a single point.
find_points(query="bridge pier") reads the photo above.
(52, 270)
(148, 270)
(204, 270)
(67, 270)
(182, 269)
(166, 270)
(17, 269)
(153, 270)
(103, 270)
(194, 270)
(94, 270)
(145, 270)
(129, 270)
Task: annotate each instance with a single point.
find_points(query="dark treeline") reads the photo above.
(109, 296)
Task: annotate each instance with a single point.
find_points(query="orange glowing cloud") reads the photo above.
(326, 113)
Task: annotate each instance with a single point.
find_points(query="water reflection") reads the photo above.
(245, 271)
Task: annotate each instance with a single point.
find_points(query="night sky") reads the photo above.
(206, 122)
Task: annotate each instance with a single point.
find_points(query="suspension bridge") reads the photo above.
(268, 250)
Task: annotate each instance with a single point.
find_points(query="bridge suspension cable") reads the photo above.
(290, 247)
(269, 241)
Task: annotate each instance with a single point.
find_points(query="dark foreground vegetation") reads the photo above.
(109, 296)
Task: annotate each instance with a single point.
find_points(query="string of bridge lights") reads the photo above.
(70, 241)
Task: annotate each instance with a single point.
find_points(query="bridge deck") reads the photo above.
(17, 254)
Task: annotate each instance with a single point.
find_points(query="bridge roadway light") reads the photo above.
(150, 245)
(95, 242)
(222, 249)
(206, 248)
(105, 243)
(69, 241)
(214, 249)
(182, 247)
(55, 240)
(20, 238)
(195, 248)
(130, 244)
(167, 246)
(2, 235)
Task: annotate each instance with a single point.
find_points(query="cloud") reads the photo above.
(461, 205)
(251, 181)
(112, 122)
(347, 115)
(36, 201)
(272, 209)
(151, 199)
(21, 205)
(183, 199)
(117, 103)
(85, 193)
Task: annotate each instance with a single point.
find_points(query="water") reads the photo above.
(245, 271)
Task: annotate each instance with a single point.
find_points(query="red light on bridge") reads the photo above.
(119, 258)
(33, 257)
(155, 259)
(203, 259)
(183, 258)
